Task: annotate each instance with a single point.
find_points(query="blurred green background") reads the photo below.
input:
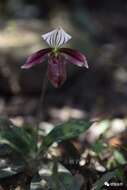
(98, 29)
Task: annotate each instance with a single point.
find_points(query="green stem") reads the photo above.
(55, 175)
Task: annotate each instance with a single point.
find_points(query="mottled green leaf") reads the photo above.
(9, 169)
(68, 130)
(18, 139)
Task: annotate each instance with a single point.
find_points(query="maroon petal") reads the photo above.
(36, 58)
(74, 57)
(57, 70)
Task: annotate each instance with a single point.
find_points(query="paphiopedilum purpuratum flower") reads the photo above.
(57, 56)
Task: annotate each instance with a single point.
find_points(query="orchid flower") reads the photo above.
(57, 56)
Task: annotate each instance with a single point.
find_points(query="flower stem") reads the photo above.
(55, 175)
(40, 106)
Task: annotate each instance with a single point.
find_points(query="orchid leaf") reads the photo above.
(18, 139)
(68, 130)
(10, 168)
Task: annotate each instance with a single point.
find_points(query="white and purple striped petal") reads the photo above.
(56, 38)
(75, 57)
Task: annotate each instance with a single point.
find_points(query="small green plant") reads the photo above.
(23, 155)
